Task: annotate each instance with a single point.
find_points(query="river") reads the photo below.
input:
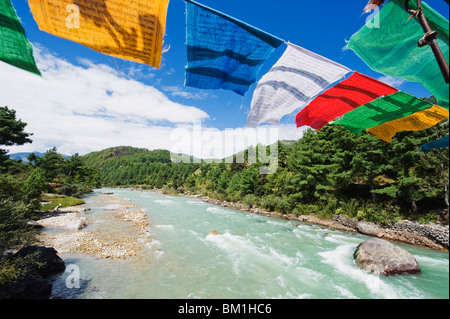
(202, 251)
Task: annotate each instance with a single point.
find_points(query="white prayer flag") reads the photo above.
(297, 78)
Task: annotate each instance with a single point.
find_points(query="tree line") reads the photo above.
(325, 173)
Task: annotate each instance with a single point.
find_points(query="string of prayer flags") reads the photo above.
(441, 143)
(416, 122)
(391, 48)
(15, 49)
(295, 79)
(344, 97)
(131, 30)
(382, 110)
(223, 52)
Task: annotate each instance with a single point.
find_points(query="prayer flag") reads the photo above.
(15, 49)
(382, 110)
(131, 29)
(415, 122)
(297, 77)
(223, 52)
(392, 48)
(441, 143)
(344, 97)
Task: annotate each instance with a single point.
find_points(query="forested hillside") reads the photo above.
(326, 172)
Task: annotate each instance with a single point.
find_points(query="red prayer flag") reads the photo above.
(344, 97)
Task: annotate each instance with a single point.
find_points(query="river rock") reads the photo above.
(73, 209)
(27, 287)
(32, 284)
(113, 207)
(76, 224)
(369, 229)
(384, 258)
(47, 257)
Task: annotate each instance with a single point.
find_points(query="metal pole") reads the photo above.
(429, 38)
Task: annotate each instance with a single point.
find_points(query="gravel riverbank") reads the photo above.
(119, 232)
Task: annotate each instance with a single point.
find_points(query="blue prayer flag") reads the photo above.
(441, 143)
(223, 52)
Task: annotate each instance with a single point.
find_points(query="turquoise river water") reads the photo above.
(252, 257)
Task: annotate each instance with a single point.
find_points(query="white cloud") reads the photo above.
(179, 92)
(80, 109)
(88, 107)
(395, 82)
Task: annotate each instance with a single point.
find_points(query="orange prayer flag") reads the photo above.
(132, 29)
(414, 122)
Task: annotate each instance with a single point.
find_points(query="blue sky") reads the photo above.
(319, 26)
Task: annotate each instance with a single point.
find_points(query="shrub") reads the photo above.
(250, 200)
(233, 197)
(35, 184)
(379, 214)
(306, 209)
(14, 230)
(350, 208)
(327, 209)
(67, 190)
(13, 268)
(9, 272)
(269, 203)
(282, 205)
(181, 190)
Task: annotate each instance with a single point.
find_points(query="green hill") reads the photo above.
(125, 165)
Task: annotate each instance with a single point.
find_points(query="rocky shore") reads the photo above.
(128, 236)
(434, 236)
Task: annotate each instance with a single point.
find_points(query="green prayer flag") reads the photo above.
(384, 109)
(391, 47)
(15, 49)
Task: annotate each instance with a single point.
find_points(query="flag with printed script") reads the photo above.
(416, 122)
(382, 110)
(223, 52)
(392, 48)
(15, 49)
(441, 143)
(297, 77)
(344, 97)
(131, 29)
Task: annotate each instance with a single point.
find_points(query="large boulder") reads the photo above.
(47, 258)
(384, 258)
(33, 283)
(369, 229)
(28, 287)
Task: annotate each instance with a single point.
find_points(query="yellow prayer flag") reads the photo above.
(414, 122)
(131, 29)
